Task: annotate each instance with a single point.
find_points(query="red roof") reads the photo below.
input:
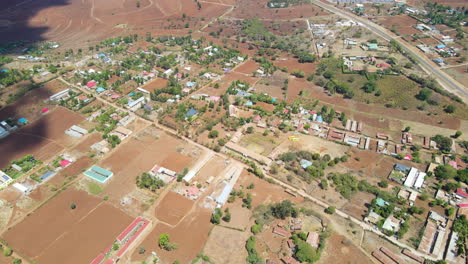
(98, 259)
(90, 84)
(463, 205)
(408, 157)
(383, 65)
(109, 261)
(257, 118)
(45, 110)
(462, 192)
(64, 163)
(135, 236)
(192, 190)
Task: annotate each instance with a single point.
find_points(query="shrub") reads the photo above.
(330, 210)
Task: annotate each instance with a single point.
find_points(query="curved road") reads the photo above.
(447, 82)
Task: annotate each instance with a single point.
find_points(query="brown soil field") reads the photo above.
(176, 162)
(74, 22)
(190, 235)
(258, 9)
(247, 67)
(155, 84)
(292, 64)
(51, 234)
(295, 86)
(85, 145)
(43, 138)
(226, 246)
(99, 229)
(172, 208)
(339, 250)
(403, 23)
(265, 106)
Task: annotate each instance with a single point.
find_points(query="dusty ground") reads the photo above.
(172, 208)
(226, 245)
(74, 22)
(338, 249)
(51, 233)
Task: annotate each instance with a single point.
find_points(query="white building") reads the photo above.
(415, 179)
(4, 180)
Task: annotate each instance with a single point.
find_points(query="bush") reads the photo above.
(450, 108)
(72, 206)
(164, 242)
(330, 210)
(7, 251)
(383, 184)
(213, 134)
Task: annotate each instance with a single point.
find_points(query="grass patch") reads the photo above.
(94, 188)
(258, 143)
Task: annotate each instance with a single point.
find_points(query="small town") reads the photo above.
(233, 131)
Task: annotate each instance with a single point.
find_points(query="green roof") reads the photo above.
(372, 46)
(380, 202)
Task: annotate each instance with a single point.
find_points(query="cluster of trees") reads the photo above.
(304, 252)
(217, 216)
(432, 84)
(443, 143)
(146, 181)
(253, 257)
(460, 225)
(316, 170)
(164, 242)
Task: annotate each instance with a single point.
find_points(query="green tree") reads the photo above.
(213, 134)
(330, 210)
(7, 251)
(424, 94)
(370, 86)
(305, 252)
(445, 172)
(457, 134)
(450, 108)
(72, 206)
(283, 209)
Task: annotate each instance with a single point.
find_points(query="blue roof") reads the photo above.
(248, 103)
(190, 84)
(401, 167)
(47, 175)
(243, 93)
(4, 70)
(191, 112)
(380, 202)
(132, 94)
(319, 118)
(440, 46)
(372, 46)
(227, 70)
(273, 100)
(22, 120)
(100, 89)
(305, 163)
(102, 54)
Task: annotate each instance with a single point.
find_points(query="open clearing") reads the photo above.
(260, 144)
(53, 232)
(338, 248)
(190, 235)
(173, 208)
(226, 246)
